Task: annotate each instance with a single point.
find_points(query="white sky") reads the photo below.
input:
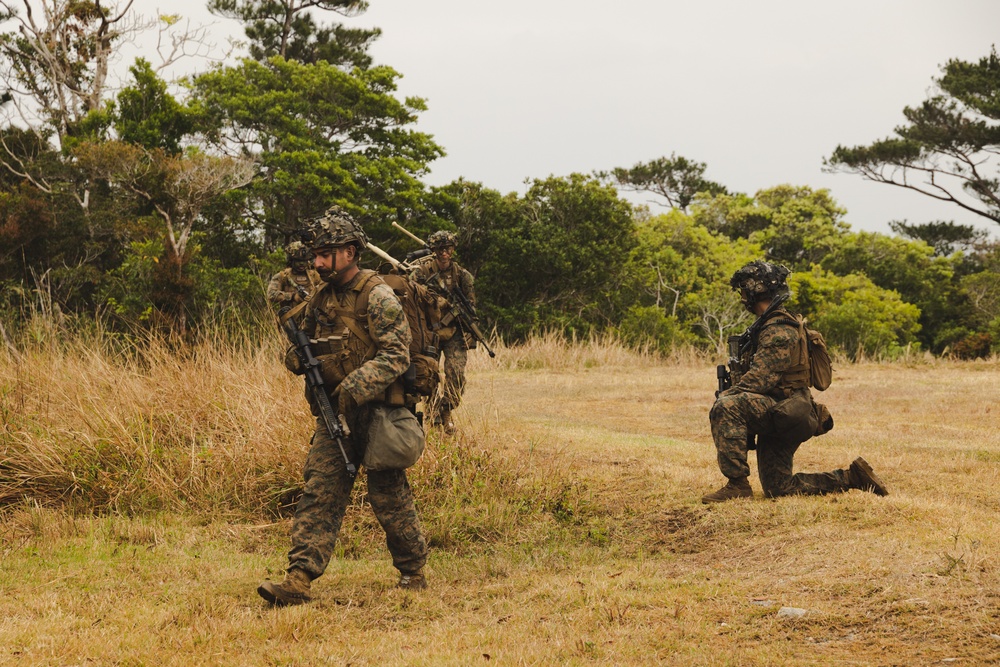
(760, 90)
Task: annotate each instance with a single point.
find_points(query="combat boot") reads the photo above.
(415, 581)
(734, 488)
(293, 590)
(861, 476)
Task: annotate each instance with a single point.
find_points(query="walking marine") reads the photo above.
(447, 279)
(767, 404)
(360, 338)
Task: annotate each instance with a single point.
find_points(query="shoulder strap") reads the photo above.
(317, 285)
(295, 310)
(781, 320)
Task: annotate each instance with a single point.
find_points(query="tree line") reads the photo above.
(162, 203)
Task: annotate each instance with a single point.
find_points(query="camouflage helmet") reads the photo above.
(296, 251)
(760, 280)
(336, 227)
(440, 239)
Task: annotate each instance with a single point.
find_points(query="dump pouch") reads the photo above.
(395, 439)
(795, 418)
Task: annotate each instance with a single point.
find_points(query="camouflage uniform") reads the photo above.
(293, 285)
(770, 401)
(327, 489)
(283, 288)
(456, 348)
(361, 339)
(745, 410)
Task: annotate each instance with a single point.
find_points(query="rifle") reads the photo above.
(739, 346)
(463, 310)
(336, 425)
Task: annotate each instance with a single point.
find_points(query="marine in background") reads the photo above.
(297, 282)
(769, 405)
(443, 276)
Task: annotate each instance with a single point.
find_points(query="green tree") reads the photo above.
(147, 115)
(684, 269)
(553, 258)
(983, 295)
(675, 178)
(320, 136)
(909, 268)
(178, 188)
(285, 28)
(945, 237)
(734, 215)
(796, 225)
(948, 148)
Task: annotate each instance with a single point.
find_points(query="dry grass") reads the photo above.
(564, 518)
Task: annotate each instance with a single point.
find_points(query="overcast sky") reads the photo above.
(761, 91)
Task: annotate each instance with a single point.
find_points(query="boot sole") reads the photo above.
(709, 500)
(276, 599)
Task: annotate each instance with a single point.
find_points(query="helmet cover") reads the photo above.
(760, 280)
(297, 251)
(440, 239)
(335, 227)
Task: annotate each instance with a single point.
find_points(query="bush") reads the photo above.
(649, 326)
(854, 314)
(142, 291)
(975, 346)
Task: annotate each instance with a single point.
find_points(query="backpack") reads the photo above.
(422, 312)
(820, 367)
(813, 366)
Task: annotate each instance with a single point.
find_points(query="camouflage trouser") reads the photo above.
(456, 355)
(736, 418)
(327, 492)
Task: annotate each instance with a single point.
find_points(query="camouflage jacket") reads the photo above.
(441, 282)
(283, 289)
(774, 354)
(386, 325)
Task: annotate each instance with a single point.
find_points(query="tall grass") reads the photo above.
(99, 422)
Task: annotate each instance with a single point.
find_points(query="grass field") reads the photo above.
(143, 502)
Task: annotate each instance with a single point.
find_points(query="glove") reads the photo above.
(344, 401)
(292, 362)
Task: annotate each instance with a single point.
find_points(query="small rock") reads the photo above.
(996, 637)
(791, 612)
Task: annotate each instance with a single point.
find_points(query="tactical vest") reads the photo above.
(310, 281)
(440, 283)
(343, 336)
(796, 376)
